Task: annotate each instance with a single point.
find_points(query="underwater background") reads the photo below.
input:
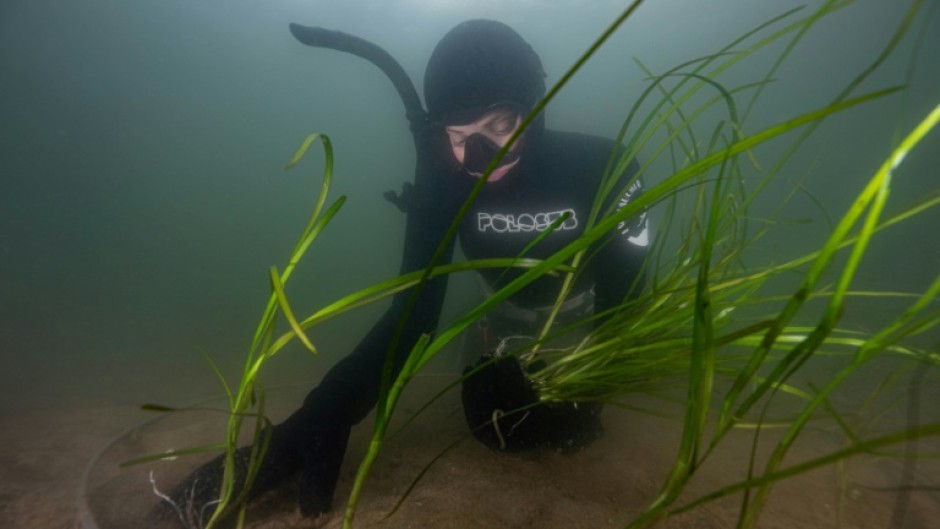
(142, 195)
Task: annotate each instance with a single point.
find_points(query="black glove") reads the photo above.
(503, 412)
(311, 443)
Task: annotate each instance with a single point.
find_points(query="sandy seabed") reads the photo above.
(46, 455)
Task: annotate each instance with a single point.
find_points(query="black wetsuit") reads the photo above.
(477, 64)
(559, 173)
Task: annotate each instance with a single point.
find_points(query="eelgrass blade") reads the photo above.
(645, 130)
(403, 282)
(386, 378)
(802, 30)
(837, 417)
(173, 454)
(218, 374)
(930, 201)
(261, 439)
(874, 196)
(383, 413)
(278, 288)
(414, 482)
(309, 232)
(872, 445)
(886, 52)
(426, 348)
(464, 209)
(539, 238)
(810, 280)
(702, 372)
(249, 394)
(599, 230)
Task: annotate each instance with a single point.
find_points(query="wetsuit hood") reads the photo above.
(478, 64)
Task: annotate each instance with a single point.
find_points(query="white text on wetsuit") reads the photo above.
(525, 222)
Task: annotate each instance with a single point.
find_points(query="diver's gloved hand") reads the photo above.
(503, 412)
(311, 443)
(498, 404)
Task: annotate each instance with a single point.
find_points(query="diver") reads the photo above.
(481, 81)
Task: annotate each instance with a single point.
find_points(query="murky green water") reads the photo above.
(141, 146)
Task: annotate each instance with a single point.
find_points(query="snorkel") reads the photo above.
(477, 65)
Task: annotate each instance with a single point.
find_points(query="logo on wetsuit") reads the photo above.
(525, 222)
(638, 232)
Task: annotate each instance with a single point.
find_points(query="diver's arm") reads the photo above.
(313, 439)
(618, 266)
(360, 372)
(348, 392)
(351, 388)
(432, 206)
